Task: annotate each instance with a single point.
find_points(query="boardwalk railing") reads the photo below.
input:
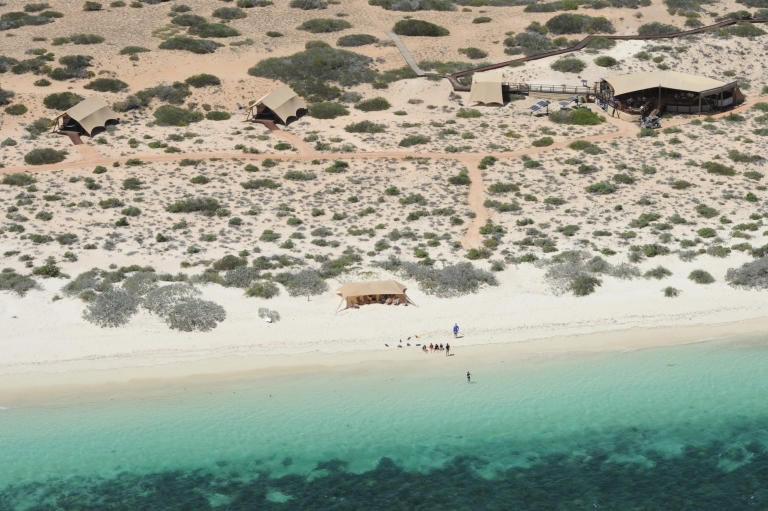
(453, 78)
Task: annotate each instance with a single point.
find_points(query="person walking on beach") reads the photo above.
(431, 347)
(447, 349)
(468, 377)
(455, 330)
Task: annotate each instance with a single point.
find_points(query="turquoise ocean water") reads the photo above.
(677, 428)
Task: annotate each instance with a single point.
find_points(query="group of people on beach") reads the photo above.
(437, 348)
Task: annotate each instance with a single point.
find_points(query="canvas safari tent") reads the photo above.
(279, 105)
(486, 89)
(387, 292)
(85, 117)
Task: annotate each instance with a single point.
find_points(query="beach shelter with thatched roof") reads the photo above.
(279, 105)
(486, 89)
(85, 117)
(387, 292)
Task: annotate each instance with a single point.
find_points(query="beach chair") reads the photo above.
(397, 301)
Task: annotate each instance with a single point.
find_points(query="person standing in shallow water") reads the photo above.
(447, 349)
(455, 330)
(468, 377)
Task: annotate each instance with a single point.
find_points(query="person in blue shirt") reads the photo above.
(455, 331)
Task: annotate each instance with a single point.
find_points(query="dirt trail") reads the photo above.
(475, 197)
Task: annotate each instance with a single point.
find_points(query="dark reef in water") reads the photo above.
(591, 480)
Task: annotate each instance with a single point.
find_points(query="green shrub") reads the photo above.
(718, 168)
(212, 30)
(481, 19)
(188, 20)
(602, 188)
(257, 184)
(365, 127)
(272, 33)
(606, 61)
(681, 184)
(656, 28)
(327, 110)
(543, 142)
(132, 183)
(601, 43)
(12, 281)
(584, 285)
(17, 109)
(373, 105)
(569, 65)
(419, 28)
(18, 179)
(701, 277)
(131, 50)
(106, 85)
(297, 175)
(44, 156)
(186, 43)
(308, 5)
(217, 116)
(86, 39)
(473, 53)
(192, 205)
(497, 188)
(468, 113)
(61, 100)
(324, 25)
(169, 115)
(356, 40)
(263, 289)
(412, 140)
(229, 13)
(461, 179)
(202, 80)
(568, 23)
(624, 179)
(92, 6)
(647, 132)
(579, 117)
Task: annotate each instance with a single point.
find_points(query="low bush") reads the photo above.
(44, 156)
(263, 289)
(195, 315)
(606, 61)
(92, 6)
(132, 50)
(297, 175)
(481, 19)
(186, 43)
(419, 28)
(353, 40)
(308, 5)
(752, 275)
(18, 179)
(584, 285)
(450, 281)
(257, 184)
(203, 80)
(112, 308)
(412, 140)
(365, 127)
(461, 179)
(327, 110)
(578, 117)
(61, 100)
(473, 53)
(543, 142)
(569, 65)
(602, 188)
(373, 105)
(713, 167)
(17, 109)
(568, 23)
(324, 25)
(212, 30)
(86, 39)
(229, 13)
(15, 282)
(106, 85)
(217, 116)
(169, 115)
(656, 28)
(701, 277)
(706, 211)
(191, 205)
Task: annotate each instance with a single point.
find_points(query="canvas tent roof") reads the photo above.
(665, 79)
(486, 88)
(91, 113)
(378, 287)
(283, 102)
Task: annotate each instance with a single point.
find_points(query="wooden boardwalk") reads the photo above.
(405, 53)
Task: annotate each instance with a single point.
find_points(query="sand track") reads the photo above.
(475, 196)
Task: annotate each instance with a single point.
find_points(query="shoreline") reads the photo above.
(40, 388)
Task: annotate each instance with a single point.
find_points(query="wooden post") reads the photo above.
(658, 107)
(699, 103)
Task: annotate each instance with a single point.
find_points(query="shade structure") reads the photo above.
(486, 89)
(90, 114)
(665, 79)
(378, 291)
(283, 103)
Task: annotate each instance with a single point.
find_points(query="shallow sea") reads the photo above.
(672, 428)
